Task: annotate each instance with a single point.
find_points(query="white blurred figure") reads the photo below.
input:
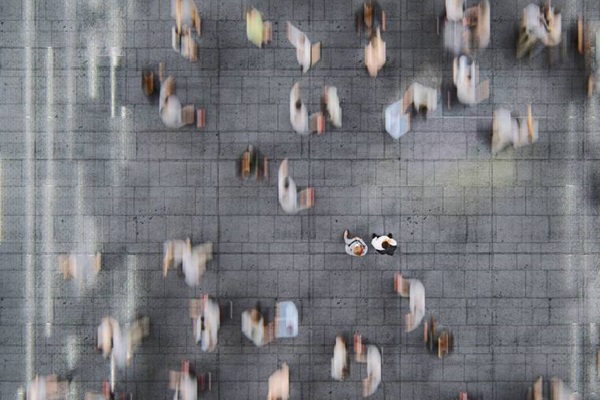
(541, 24)
(185, 14)
(170, 109)
(558, 391)
(373, 379)
(339, 362)
(193, 260)
(306, 54)
(253, 326)
(81, 268)
(47, 388)
(288, 193)
(509, 130)
(466, 79)
(298, 112)
(375, 54)
(207, 323)
(414, 289)
(119, 344)
(279, 384)
(424, 99)
(331, 102)
(455, 10)
(188, 387)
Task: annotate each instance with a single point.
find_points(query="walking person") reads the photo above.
(355, 246)
(384, 244)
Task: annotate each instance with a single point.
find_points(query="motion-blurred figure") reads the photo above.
(375, 54)
(306, 54)
(384, 244)
(206, 315)
(508, 129)
(47, 388)
(170, 109)
(255, 328)
(119, 344)
(355, 246)
(558, 390)
(186, 16)
(587, 34)
(539, 25)
(252, 162)
(438, 340)
(279, 384)
(414, 289)
(258, 31)
(455, 10)
(187, 383)
(373, 379)
(339, 362)
(466, 31)
(193, 260)
(372, 17)
(466, 79)
(331, 105)
(298, 112)
(81, 268)
(288, 193)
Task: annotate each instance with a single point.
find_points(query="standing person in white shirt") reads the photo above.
(298, 112)
(355, 246)
(384, 244)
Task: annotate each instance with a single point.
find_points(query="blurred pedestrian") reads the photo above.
(372, 17)
(508, 129)
(384, 244)
(373, 379)
(306, 54)
(46, 388)
(339, 362)
(81, 268)
(375, 54)
(279, 384)
(193, 260)
(414, 289)
(118, 343)
(288, 193)
(331, 105)
(298, 112)
(207, 321)
(170, 109)
(258, 31)
(466, 79)
(355, 246)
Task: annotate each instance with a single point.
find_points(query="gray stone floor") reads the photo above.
(507, 247)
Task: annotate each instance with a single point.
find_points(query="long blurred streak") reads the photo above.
(92, 50)
(1, 201)
(29, 173)
(48, 227)
(592, 367)
(70, 17)
(132, 292)
(575, 358)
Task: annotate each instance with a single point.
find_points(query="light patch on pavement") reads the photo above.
(48, 227)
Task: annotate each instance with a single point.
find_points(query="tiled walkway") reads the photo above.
(507, 247)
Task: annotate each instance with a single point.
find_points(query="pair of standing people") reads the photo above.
(383, 244)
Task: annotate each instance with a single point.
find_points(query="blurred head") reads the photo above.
(385, 244)
(298, 104)
(358, 251)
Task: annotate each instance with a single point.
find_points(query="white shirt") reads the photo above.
(288, 196)
(455, 9)
(253, 330)
(373, 367)
(333, 107)
(170, 110)
(339, 360)
(417, 300)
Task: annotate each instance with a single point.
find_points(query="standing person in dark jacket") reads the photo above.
(384, 244)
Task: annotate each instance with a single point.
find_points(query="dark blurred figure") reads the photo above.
(438, 340)
(371, 17)
(252, 162)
